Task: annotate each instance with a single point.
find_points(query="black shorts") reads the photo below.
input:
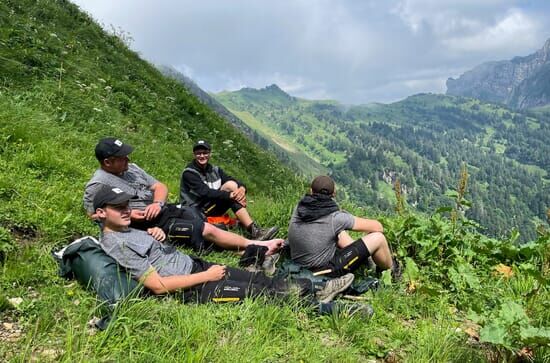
(345, 260)
(218, 207)
(239, 284)
(181, 225)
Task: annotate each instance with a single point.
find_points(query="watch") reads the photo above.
(161, 204)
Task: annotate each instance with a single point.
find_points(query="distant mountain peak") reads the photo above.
(274, 87)
(521, 82)
(271, 94)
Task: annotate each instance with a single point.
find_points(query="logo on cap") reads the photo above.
(117, 190)
(118, 143)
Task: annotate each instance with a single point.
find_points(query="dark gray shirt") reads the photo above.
(133, 181)
(138, 252)
(313, 244)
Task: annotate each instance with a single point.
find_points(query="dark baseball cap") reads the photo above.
(110, 196)
(323, 185)
(201, 144)
(111, 146)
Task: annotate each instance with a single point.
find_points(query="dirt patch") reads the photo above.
(23, 235)
(10, 330)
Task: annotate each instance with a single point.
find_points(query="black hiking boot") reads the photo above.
(396, 270)
(262, 234)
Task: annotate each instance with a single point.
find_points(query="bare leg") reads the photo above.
(229, 186)
(242, 214)
(344, 239)
(243, 217)
(228, 240)
(379, 249)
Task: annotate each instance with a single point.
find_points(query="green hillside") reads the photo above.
(423, 142)
(269, 141)
(65, 83)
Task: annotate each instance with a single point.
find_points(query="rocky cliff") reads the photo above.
(522, 82)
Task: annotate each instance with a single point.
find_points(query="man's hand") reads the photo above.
(239, 196)
(157, 233)
(152, 211)
(215, 273)
(137, 215)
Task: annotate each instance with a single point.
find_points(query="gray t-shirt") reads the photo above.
(313, 244)
(137, 252)
(133, 181)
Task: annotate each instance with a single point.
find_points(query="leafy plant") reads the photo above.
(510, 329)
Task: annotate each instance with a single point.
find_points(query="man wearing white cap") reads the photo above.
(148, 203)
(208, 188)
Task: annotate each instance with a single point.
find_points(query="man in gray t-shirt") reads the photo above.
(318, 236)
(148, 203)
(164, 269)
(130, 246)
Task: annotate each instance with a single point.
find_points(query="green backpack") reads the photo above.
(85, 260)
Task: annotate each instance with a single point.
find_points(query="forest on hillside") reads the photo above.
(422, 142)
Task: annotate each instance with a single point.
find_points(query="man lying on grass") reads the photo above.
(162, 269)
(318, 237)
(148, 203)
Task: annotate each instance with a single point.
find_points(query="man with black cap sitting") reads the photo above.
(208, 188)
(148, 203)
(162, 268)
(318, 238)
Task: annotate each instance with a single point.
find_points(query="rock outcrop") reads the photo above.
(522, 82)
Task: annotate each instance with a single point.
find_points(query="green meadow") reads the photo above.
(65, 83)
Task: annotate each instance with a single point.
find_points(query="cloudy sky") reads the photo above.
(353, 51)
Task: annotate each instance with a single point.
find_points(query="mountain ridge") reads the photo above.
(520, 82)
(422, 141)
(288, 155)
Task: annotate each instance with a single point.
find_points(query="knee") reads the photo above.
(375, 240)
(208, 230)
(379, 236)
(229, 186)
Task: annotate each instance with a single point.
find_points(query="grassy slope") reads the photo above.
(63, 85)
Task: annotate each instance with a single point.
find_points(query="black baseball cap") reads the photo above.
(201, 144)
(323, 185)
(111, 146)
(110, 196)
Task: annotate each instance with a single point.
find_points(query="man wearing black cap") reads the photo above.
(318, 238)
(148, 204)
(162, 268)
(209, 189)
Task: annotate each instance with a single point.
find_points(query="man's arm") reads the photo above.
(160, 193)
(366, 225)
(161, 285)
(195, 184)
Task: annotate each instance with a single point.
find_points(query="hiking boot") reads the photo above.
(268, 267)
(396, 269)
(334, 287)
(262, 234)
